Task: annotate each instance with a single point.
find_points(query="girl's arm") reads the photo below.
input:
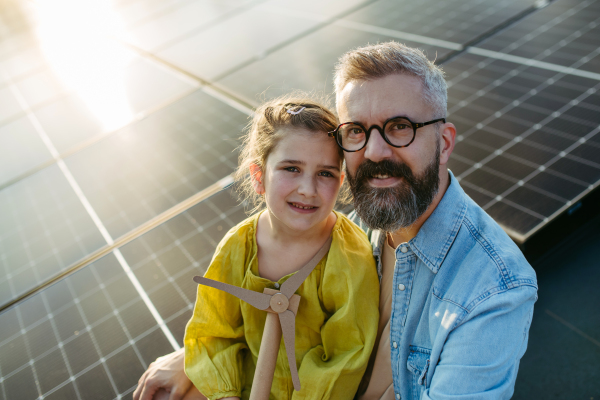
(349, 293)
(214, 338)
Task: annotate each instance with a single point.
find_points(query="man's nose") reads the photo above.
(377, 148)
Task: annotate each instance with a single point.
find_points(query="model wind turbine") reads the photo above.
(281, 307)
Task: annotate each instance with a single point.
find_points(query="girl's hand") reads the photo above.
(166, 373)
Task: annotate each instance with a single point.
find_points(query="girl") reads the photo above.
(291, 165)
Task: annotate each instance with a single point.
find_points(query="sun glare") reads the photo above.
(75, 36)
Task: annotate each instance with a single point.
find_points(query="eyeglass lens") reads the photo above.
(398, 131)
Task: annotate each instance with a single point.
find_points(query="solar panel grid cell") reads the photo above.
(45, 229)
(158, 25)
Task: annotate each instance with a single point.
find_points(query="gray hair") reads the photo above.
(383, 59)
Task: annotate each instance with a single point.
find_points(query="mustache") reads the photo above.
(369, 169)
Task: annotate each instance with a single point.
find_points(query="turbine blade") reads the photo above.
(287, 319)
(256, 299)
(289, 287)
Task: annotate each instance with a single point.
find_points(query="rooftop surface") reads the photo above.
(119, 123)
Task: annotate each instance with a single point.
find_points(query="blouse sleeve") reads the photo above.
(214, 337)
(350, 295)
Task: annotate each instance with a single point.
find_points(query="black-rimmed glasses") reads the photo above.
(396, 131)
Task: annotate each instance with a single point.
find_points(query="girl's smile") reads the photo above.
(302, 208)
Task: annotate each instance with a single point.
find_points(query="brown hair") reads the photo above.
(383, 59)
(263, 133)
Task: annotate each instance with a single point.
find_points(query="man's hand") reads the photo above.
(166, 373)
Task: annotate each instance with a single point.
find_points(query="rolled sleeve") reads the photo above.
(214, 339)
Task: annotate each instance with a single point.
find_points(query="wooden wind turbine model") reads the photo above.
(283, 304)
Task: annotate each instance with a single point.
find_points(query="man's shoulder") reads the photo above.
(483, 259)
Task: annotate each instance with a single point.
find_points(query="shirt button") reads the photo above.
(397, 396)
(404, 249)
(401, 287)
(395, 345)
(276, 285)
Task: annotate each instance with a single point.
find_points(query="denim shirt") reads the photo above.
(461, 307)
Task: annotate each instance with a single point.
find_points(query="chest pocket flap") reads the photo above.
(418, 364)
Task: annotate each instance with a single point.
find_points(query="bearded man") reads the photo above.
(457, 295)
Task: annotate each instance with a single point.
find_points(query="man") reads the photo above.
(457, 295)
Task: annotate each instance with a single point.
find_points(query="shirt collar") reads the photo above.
(439, 230)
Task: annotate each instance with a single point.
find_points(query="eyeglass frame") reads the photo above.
(415, 126)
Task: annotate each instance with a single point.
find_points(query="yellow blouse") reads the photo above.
(336, 324)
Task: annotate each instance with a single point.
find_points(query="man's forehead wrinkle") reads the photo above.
(345, 103)
(369, 107)
(375, 101)
(357, 102)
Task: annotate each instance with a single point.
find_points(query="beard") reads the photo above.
(399, 206)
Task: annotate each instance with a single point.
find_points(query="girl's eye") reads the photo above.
(326, 173)
(291, 169)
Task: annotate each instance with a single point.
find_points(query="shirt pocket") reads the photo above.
(418, 365)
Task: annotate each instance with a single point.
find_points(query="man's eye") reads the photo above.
(400, 126)
(356, 131)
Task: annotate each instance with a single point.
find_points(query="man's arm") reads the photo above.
(480, 359)
(165, 373)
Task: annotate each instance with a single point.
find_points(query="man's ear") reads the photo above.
(342, 177)
(256, 176)
(447, 138)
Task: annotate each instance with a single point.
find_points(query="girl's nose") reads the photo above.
(308, 186)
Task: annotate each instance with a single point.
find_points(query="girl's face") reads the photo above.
(301, 179)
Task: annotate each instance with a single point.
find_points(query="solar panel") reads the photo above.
(159, 161)
(234, 41)
(566, 33)
(128, 178)
(438, 30)
(45, 228)
(91, 331)
(306, 65)
(528, 140)
(21, 149)
(454, 21)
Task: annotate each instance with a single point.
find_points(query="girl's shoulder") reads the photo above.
(240, 237)
(350, 235)
(350, 262)
(350, 248)
(233, 253)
